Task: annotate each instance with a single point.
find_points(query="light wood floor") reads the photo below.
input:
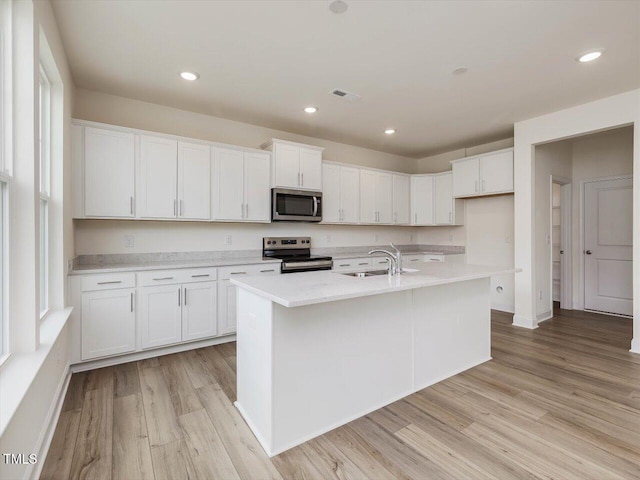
(560, 402)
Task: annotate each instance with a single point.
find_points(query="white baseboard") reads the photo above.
(49, 427)
(544, 316)
(157, 352)
(503, 307)
(635, 344)
(522, 322)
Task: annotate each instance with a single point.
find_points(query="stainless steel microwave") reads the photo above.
(295, 205)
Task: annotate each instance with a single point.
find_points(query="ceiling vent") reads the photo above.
(340, 93)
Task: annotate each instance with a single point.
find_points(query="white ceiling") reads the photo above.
(261, 62)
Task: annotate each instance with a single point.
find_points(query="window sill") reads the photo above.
(18, 373)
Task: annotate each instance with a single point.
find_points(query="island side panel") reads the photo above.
(254, 364)
(336, 361)
(452, 329)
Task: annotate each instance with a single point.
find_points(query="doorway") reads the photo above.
(608, 245)
(561, 274)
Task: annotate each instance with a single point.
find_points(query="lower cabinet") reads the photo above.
(108, 323)
(226, 307)
(199, 311)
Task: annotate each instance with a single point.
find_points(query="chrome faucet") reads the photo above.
(398, 259)
(393, 261)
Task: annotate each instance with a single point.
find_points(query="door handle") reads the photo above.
(588, 252)
(561, 252)
(185, 296)
(179, 295)
(131, 302)
(315, 206)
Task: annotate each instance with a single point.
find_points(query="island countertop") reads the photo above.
(309, 288)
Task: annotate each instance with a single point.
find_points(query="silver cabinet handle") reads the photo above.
(200, 275)
(179, 303)
(365, 263)
(131, 205)
(238, 273)
(109, 283)
(345, 265)
(414, 260)
(265, 271)
(435, 260)
(185, 296)
(131, 302)
(315, 206)
(163, 278)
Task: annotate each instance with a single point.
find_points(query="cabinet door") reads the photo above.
(422, 201)
(228, 181)
(444, 199)
(310, 169)
(331, 206)
(466, 177)
(108, 323)
(384, 197)
(199, 310)
(257, 191)
(401, 186)
(194, 181)
(349, 194)
(109, 173)
(226, 308)
(158, 177)
(368, 209)
(160, 319)
(497, 172)
(286, 160)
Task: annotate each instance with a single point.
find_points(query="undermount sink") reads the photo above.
(370, 273)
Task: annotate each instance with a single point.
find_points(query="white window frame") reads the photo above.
(45, 187)
(5, 182)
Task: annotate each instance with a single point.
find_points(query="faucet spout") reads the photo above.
(398, 259)
(393, 261)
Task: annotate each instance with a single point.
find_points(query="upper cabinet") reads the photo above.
(487, 174)
(422, 206)
(340, 194)
(194, 184)
(401, 196)
(241, 185)
(295, 165)
(376, 197)
(447, 209)
(109, 173)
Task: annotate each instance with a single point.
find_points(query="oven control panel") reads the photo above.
(271, 243)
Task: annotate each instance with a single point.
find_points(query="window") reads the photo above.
(5, 166)
(45, 163)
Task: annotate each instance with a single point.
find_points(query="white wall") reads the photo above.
(101, 107)
(441, 162)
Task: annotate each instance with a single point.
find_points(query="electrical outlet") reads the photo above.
(228, 240)
(376, 238)
(451, 238)
(129, 241)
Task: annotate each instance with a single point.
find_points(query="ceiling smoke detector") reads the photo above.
(338, 6)
(341, 93)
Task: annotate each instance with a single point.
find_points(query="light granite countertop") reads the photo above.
(309, 288)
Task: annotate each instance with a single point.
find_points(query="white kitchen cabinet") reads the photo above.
(357, 263)
(448, 210)
(161, 315)
(109, 172)
(108, 323)
(158, 178)
(227, 292)
(486, 174)
(422, 200)
(241, 186)
(295, 165)
(401, 194)
(340, 194)
(376, 197)
(199, 310)
(194, 181)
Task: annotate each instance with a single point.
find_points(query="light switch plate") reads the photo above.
(129, 241)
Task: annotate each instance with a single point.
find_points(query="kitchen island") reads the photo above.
(318, 349)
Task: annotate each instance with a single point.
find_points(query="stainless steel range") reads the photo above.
(295, 253)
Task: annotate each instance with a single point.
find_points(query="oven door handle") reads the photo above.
(315, 206)
(319, 263)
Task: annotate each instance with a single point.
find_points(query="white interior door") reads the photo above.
(608, 227)
(194, 181)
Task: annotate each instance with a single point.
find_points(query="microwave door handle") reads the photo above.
(315, 206)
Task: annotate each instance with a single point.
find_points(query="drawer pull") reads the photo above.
(435, 260)
(163, 278)
(110, 283)
(365, 263)
(238, 273)
(131, 302)
(345, 265)
(200, 275)
(414, 260)
(265, 271)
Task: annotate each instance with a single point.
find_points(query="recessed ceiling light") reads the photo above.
(460, 70)
(390, 131)
(338, 6)
(590, 56)
(311, 109)
(190, 75)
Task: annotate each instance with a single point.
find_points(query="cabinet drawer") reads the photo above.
(169, 277)
(380, 262)
(242, 270)
(434, 258)
(352, 263)
(200, 275)
(408, 259)
(108, 281)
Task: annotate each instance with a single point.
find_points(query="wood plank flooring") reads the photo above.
(559, 402)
